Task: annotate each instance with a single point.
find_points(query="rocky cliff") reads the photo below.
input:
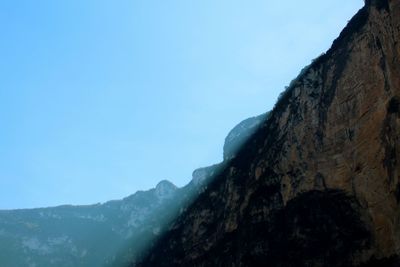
(317, 184)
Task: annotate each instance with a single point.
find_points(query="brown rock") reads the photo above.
(318, 183)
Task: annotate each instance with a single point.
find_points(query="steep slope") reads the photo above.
(318, 182)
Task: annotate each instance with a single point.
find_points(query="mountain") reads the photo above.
(111, 234)
(86, 235)
(317, 183)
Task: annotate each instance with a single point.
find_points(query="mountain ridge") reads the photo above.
(330, 144)
(113, 233)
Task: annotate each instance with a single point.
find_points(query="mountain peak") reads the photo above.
(165, 189)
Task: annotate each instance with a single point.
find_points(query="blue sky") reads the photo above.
(99, 99)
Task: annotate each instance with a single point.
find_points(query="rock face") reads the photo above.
(318, 182)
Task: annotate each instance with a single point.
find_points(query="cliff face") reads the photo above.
(318, 182)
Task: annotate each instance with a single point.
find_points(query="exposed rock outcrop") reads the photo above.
(318, 183)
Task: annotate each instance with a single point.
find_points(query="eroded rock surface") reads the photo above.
(318, 182)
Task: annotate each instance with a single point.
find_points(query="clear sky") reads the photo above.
(99, 99)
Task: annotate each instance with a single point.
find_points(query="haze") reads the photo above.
(99, 99)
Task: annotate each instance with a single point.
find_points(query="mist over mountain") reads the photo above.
(82, 235)
(317, 183)
(115, 233)
(314, 182)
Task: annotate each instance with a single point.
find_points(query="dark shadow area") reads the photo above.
(318, 228)
(393, 261)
